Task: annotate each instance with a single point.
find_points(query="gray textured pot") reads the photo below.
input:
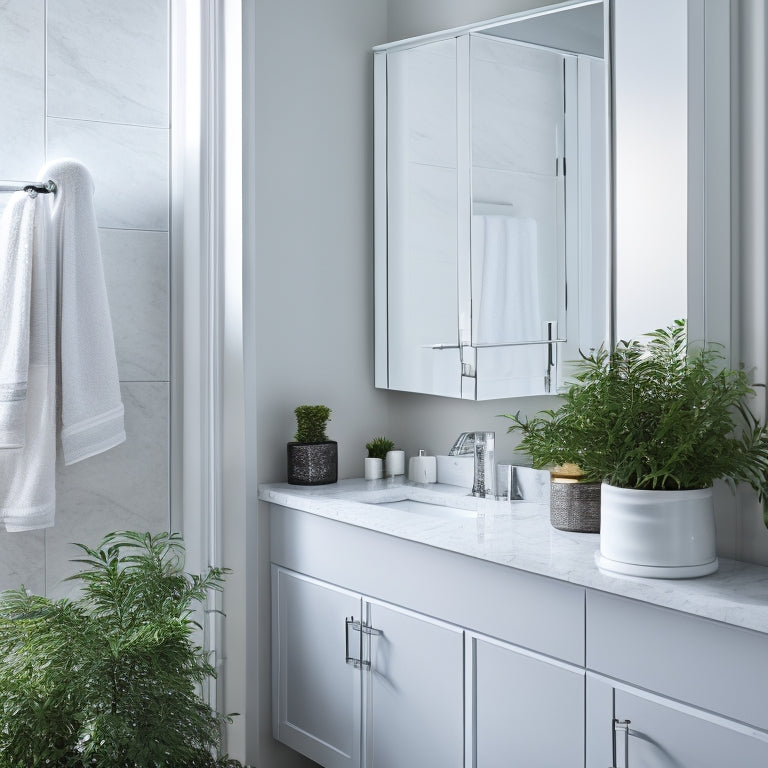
(313, 463)
(575, 507)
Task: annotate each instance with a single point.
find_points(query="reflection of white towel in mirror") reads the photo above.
(505, 258)
(506, 305)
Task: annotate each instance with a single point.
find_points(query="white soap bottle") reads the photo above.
(422, 468)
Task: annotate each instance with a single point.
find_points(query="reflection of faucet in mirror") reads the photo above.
(482, 445)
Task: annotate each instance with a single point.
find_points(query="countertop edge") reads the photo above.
(516, 535)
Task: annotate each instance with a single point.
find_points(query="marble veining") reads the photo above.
(125, 488)
(22, 560)
(519, 535)
(136, 274)
(22, 119)
(119, 75)
(129, 165)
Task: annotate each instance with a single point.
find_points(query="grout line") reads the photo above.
(110, 122)
(135, 229)
(45, 82)
(144, 381)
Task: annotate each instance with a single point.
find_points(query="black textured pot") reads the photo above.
(313, 463)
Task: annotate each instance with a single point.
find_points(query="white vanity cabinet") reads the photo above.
(485, 652)
(496, 642)
(390, 686)
(677, 690)
(654, 732)
(391, 654)
(316, 695)
(528, 709)
(414, 702)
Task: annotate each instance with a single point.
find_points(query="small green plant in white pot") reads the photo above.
(377, 452)
(657, 423)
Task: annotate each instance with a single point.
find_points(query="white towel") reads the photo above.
(91, 406)
(506, 306)
(16, 243)
(27, 476)
(70, 331)
(508, 309)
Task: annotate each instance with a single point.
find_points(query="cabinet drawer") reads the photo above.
(535, 612)
(711, 665)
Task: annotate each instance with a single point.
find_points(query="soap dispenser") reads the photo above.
(422, 468)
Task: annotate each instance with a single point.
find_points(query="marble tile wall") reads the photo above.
(88, 79)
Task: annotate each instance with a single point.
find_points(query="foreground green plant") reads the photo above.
(110, 679)
(653, 416)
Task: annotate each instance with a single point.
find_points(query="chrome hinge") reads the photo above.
(468, 361)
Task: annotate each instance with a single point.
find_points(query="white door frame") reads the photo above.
(207, 403)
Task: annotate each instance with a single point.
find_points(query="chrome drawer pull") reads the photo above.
(624, 726)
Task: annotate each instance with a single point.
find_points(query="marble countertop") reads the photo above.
(519, 535)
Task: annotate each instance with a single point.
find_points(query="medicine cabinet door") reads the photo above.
(491, 217)
(421, 220)
(518, 238)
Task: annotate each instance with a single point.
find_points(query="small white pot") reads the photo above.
(395, 463)
(657, 534)
(374, 468)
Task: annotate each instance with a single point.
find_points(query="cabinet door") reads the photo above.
(529, 710)
(666, 734)
(316, 694)
(422, 219)
(415, 712)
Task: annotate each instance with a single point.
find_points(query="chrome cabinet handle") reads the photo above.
(622, 725)
(350, 625)
(357, 644)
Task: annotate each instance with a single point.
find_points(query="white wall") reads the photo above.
(309, 272)
(84, 80)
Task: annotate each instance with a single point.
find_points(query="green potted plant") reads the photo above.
(111, 677)
(377, 452)
(656, 423)
(312, 457)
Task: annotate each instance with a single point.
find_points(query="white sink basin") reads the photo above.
(424, 508)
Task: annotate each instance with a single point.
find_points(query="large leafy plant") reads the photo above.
(657, 415)
(110, 679)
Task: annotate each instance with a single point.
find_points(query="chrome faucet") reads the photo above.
(482, 445)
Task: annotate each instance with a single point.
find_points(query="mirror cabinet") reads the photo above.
(491, 204)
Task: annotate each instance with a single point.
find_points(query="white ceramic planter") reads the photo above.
(657, 534)
(374, 468)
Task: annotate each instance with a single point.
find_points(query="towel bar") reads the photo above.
(32, 187)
